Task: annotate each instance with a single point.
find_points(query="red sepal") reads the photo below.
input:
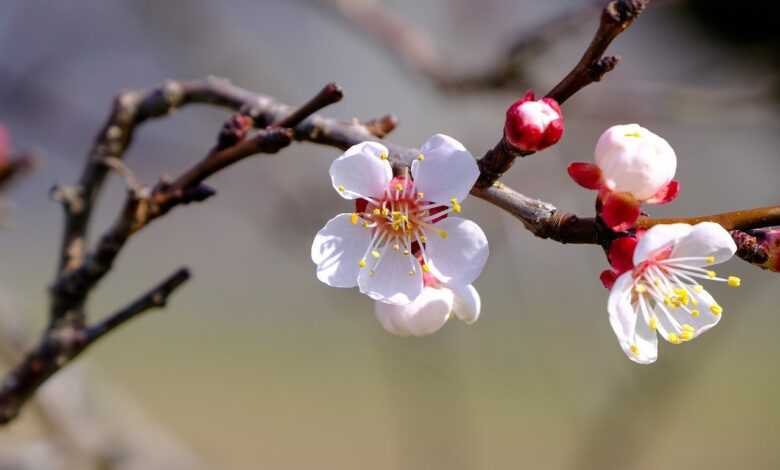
(620, 211)
(666, 194)
(586, 175)
(608, 278)
(621, 254)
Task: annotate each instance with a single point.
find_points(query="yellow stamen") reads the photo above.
(406, 252)
(455, 206)
(634, 350)
(688, 327)
(734, 281)
(385, 211)
(653, 323)
(399, 186)
(411, 272)
(633, 134)
(674, 339)
(426, 268)
(710, 260)
(397, 247)
(421, 157)
(376, 211)
(420, 195)
(362, 263)
(640, 289)
(354, 219)
(716, 309)
(384, 155)
(695, 313)
(424, 239)
(711, 274)
(366, 224)
(341, 188)
(698, 288)
(686, 335)
(443, 234)
(375, 253)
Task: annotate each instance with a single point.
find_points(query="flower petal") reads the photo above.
(391, 281)
(361, 172)
(391, 317)
(447, 170)
(620, 211)
(337, 250)
(657, 237)
(468, 304)
(435, 306)
(622, 315)
(457, 253)
(644, 347)
(706, 239)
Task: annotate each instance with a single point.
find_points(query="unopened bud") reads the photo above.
(532, 125)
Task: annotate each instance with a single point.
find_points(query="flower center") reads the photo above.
(401, 220)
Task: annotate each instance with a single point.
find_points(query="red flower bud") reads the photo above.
(768, 244)
(532, 125)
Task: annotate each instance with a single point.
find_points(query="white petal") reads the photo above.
(644, 347)
(622, 316)
(361, 172)
(706, 239)
(434, 308)
(467, 304)
(391, 317)
(659, 236)
(337, 250)
(458, 257)
(391, 282)
(447, 170)
(636, 339)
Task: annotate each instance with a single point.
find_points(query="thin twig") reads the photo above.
(59, 347)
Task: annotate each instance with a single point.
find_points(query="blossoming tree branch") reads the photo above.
(400, 236)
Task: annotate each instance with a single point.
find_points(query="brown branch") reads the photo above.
(738, 220)
(59, 347)
(616, 17)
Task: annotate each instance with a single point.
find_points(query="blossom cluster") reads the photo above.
(406, 247)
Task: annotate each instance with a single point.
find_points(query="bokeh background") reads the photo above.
(255, 364)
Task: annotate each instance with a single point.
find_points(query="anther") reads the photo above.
(716, 309)
(653, 323)
(426, 268)
(455, 205)
(734, 281)
(375, 253)
(341, 188)
(711, 274)
(443, 234)
(384, 155)
(420, 195)
(376, 212)
(362, 263)
(399, 186)
(421, 157)
(354, 218)
(634, 350)
(710, 259)
(695, 313)
(674, 339)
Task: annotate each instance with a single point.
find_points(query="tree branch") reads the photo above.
(59, 347)
(616, 17)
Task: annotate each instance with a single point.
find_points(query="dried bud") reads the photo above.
(234, 130)
(769, 243)
(533, 125)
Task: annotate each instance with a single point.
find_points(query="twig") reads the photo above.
(59, 347)
(616, 17)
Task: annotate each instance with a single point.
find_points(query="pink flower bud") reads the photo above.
(634, 160)
(633, 166)
(533, 125)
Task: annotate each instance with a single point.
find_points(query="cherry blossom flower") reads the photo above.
(633, 166)
(430, 310)
(372, 247)
(662, 294)
(532, 125)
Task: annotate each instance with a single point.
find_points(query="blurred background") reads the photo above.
(255, 364)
